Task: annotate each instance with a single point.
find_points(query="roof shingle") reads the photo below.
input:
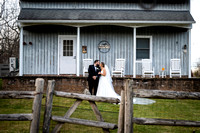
(88, 14)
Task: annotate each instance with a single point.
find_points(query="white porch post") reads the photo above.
(21, 53)
(134, 52)
(78, 52)
(189, 54)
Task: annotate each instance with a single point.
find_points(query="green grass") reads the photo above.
(166, 109)
(0, 84)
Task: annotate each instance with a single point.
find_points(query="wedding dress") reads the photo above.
(106, 89)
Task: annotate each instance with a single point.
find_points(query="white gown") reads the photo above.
(106, 89)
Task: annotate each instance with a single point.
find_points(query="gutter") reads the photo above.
(106, 21)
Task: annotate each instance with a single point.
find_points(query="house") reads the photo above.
(56, 35)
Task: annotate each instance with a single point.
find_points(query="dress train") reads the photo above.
(105, 89)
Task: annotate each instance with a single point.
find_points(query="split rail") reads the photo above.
(126, 113)
(126, 119)
(34, 117)
(66, 118)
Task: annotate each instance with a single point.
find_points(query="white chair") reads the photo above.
(147, 68)
(175, 67)
(119, 67)
(86, 63)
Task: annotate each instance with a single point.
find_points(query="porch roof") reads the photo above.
(32, 15)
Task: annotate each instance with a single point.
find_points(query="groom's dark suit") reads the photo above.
(91, 82)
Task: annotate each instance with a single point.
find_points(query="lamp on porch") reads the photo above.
(185, 48)
(30, 43)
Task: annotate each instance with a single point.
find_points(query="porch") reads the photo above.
(44, 54)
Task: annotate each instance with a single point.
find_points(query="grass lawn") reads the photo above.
(166, 109)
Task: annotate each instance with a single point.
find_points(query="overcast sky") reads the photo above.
(195, 10)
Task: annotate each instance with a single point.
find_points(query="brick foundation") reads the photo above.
(78, 84)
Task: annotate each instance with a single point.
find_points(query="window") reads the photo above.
(143, 48)
(67, 47)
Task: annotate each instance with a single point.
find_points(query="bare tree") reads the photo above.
(9, 32)
(2, 7)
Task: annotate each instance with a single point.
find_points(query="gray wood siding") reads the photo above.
(42, 56)
(104, 5)
(167, 44)
(119, 38)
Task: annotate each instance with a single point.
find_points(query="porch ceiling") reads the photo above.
(104, 16)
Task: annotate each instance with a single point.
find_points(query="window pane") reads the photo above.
(67, 42)
(71, 42)
(64, 53)
(64, 47)
(71, 48)
(142, 48)
(142, 54)
(71, 53)
(142, 43)
(67, 47)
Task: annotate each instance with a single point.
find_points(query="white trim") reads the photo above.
(189, 54)
(78, 52)
(59, 37)
(190, 6)
(21, 56)
(106, 21)
(131, 25)
(134, 52)
(58, 69)
(66, 36)
(151, 50)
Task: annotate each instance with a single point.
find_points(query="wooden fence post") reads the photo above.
(37, 105)
(121, 112)
(48, 106)
(128, 125)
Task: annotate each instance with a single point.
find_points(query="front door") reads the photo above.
(67, 55)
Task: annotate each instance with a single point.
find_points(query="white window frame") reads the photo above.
(150, 38)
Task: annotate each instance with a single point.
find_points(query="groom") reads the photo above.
(93, 77)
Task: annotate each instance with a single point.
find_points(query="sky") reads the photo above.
(195, 35)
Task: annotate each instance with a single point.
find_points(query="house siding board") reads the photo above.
(183, 5)
(118, 37)
(42, 56)
(167, 44)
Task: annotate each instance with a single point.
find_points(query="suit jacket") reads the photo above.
(92, 72)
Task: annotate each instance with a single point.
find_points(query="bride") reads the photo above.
(106, 89)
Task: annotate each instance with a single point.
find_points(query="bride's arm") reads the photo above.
(104, 72)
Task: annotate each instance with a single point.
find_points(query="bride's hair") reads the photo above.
(103, 64)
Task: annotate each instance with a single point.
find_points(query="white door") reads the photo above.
(67, 54)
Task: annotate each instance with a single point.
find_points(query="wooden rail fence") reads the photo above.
(34, 117)
(126, 119)
(66, 118)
